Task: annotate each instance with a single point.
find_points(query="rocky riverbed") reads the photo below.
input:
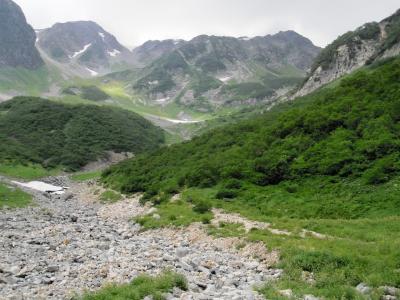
(64, 245)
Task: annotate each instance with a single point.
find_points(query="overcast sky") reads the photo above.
(135, 21)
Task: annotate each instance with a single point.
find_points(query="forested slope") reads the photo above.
(34, 130)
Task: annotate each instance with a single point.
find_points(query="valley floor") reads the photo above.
(64, 245)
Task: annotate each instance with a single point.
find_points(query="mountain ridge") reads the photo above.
(353, 50)
(197, 72)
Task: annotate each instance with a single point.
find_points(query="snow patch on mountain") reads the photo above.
(93, 73)
(225, 79)
(81, 51)
(114, 53)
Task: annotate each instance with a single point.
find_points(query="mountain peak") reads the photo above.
(83, 42)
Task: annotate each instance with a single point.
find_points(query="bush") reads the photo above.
(315, 261)
(226, 194)
(382, 171)
(202, 207)
(233, 184)
(206, 220)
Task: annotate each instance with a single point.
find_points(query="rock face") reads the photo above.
(368, 43)
(17, 38)
(83, 43)
(152, 50)
(195, 73)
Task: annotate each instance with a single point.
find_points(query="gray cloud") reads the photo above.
(135, 21)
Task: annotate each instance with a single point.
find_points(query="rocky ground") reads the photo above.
(67, 244)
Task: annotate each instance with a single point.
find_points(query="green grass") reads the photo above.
(13, 197)
(140, 287)
(226, 230)
(84, 176)
(27, 172)
(33, 82)
(110, 197)
(356, 251)
(175, 214)
(115, 89)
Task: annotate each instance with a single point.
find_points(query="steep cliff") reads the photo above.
(17, 38)
(354, 49)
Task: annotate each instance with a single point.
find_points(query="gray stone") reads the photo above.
(182, 252)
(201, 285)
(67, 196)
(310, 297)
(363, 288)
(53, 269)
(390, 290)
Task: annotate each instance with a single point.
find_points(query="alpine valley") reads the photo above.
(215, 167)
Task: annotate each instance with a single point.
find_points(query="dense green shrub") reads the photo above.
(202, 206)
(93, 93)
(383, 170)
(226, 194)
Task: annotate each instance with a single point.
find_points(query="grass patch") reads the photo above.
(84, 176)
(140, 287)
(32, 82)
(110, 197)
(28, 172)
(13, 197)
(177, 214)
(227, 230)
(355, 251)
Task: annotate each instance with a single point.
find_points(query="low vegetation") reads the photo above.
(110, 197)
(85, 176)
(12, 197)
(27, 171)
(37, 131)
(140, 287)
(177, 214)
(90, 92)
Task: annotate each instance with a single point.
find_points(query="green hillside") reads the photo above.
(349, 132)
(328, 162)
(24, 81)
(38, 131)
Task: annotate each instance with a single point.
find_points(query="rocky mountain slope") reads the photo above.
(152, 50)
(209, 71)
(17, 38)
(353, 50)
(83, 46)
